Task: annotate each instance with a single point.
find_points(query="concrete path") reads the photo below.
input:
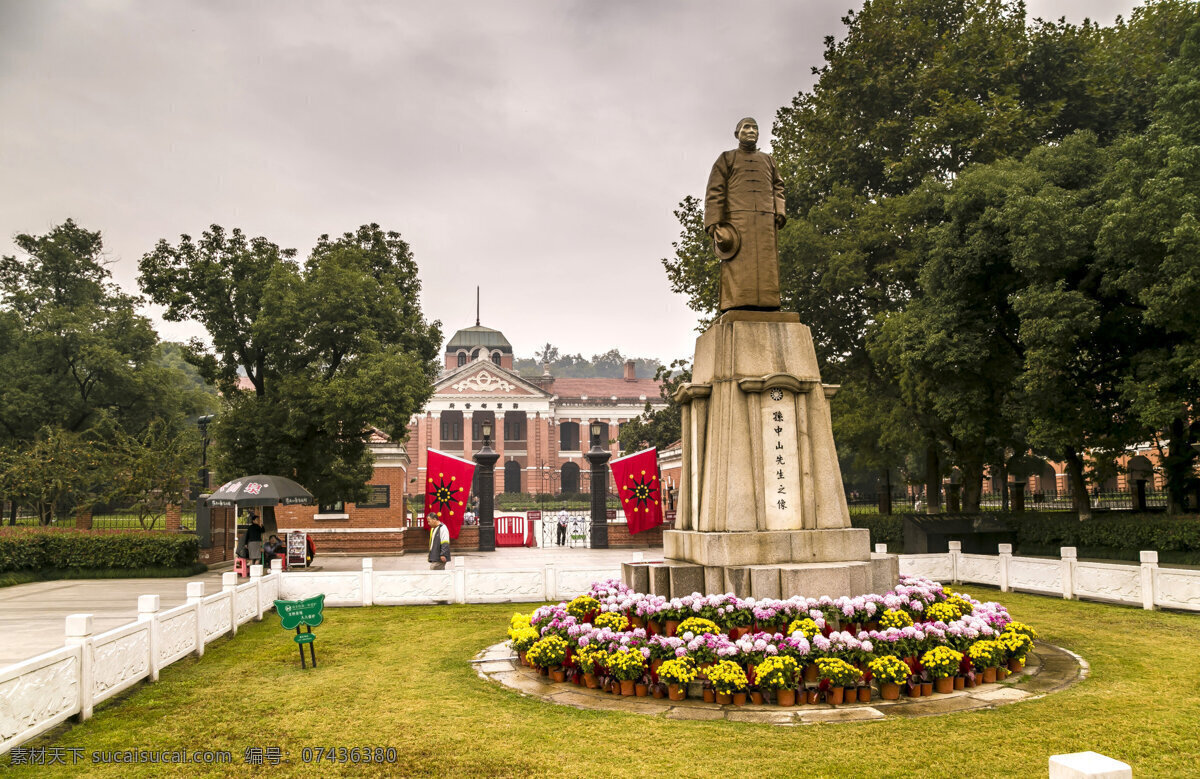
(33, 616)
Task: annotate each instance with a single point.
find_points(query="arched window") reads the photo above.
(570, 477)
(568, 438)
(496, 357)
(512, 476)
(462, 359)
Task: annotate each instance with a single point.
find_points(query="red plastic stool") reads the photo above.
(241, 566)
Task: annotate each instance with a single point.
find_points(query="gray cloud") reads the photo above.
(534, 148)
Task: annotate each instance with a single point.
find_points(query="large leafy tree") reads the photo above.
(331, 350)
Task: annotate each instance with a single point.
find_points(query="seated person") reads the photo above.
(272, 549)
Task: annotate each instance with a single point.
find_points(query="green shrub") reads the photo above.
(884, 529)
(36, 549)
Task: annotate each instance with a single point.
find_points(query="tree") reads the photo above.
(1149, 245)
(57, 473)
(332, 350)
(152, 470)
(663, 427)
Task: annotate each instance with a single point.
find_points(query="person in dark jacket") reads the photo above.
(439, 543)
(253, 540)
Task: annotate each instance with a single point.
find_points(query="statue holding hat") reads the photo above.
(743, 210)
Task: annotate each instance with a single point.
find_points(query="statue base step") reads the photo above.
(676, 578)
(767, 547)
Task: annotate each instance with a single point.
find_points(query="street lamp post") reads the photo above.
(598, 457)
(485, 460)
(202, 422)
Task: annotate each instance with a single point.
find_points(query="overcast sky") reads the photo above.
(536, 149)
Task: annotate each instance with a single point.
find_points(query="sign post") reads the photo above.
(297, 549)
(308, 612)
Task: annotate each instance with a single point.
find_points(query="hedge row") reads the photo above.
(885, 529)
(1034, 533)
(36, 549)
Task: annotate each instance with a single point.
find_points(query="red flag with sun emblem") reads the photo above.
(638, 486)
(447, 487)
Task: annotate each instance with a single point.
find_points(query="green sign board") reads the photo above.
(305, 638)
(294, 613)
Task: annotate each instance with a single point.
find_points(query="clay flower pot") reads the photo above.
(812, 695)
(672, 627)
(676, 692)
(889, 692)
(943, 685)
(756, 698)
(960, 682)
(543, 671)
(641, 690)
(864, 694)
(989, 675)
(724, 698)
(637, 622)
(739, 699)
(709, 695)
(810, 672)
(591, 681)
(785, 697)
(627, 687)
(835, 695)
(521, 657)
(926, 689)
(558, 673)
(1015, 665)
(658, 692)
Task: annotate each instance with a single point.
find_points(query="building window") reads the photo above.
(452, 426)
(568, 439)
(570, 478)
(514, 426)
(512, 476)
(337, 507)
(462, 359)
(496, 357)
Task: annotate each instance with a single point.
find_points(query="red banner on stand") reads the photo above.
(639, 488)
(447, 488)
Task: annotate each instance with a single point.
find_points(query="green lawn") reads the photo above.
(399, 677)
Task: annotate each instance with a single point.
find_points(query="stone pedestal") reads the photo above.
(761, 509)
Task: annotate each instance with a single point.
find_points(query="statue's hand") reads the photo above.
(780, 221)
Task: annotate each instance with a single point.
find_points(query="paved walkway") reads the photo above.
(32, 616)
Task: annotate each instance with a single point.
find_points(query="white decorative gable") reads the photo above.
(483, 381)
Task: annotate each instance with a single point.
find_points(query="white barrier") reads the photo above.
(39, 693)
(1144, 585)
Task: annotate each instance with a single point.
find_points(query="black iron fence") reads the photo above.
(905, 503)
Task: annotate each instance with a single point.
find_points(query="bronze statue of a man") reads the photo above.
(743, 209)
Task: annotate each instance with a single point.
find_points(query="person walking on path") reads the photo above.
(253, 540)
(562, 526)
(439, 544)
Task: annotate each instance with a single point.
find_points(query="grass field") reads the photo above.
(399, 677)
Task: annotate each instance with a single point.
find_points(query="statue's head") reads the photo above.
(747, 131)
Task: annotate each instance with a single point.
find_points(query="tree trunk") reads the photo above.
(1178, 467)
(885, 492)
(972, 486)
(1079, 493)
(933, 481)
(12, 513)
(1004, 506)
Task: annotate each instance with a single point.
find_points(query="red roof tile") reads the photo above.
(602, 389)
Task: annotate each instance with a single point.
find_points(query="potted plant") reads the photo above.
(729, 682)
(985, 656)
(583, 608)
(840, 675)
(588, 658)
(942, 663)
(1016, 646)
(522, 640)
(613, 620)
(549, 653)
(779, 674)
(628, 666)
(738, 617)
(697, 626)
(891, 672)
(678, 674)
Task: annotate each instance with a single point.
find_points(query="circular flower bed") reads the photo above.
(800, 650)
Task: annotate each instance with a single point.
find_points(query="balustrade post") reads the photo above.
(195, 594)
(1005, 551)
(1149, 566)
(148, 606)
(955, 554)
(229, 585)
(256, 578)
(79, 633)
(1068, 571)
(368, 577)
(551, 582)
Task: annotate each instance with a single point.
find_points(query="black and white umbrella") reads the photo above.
(260, 491)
